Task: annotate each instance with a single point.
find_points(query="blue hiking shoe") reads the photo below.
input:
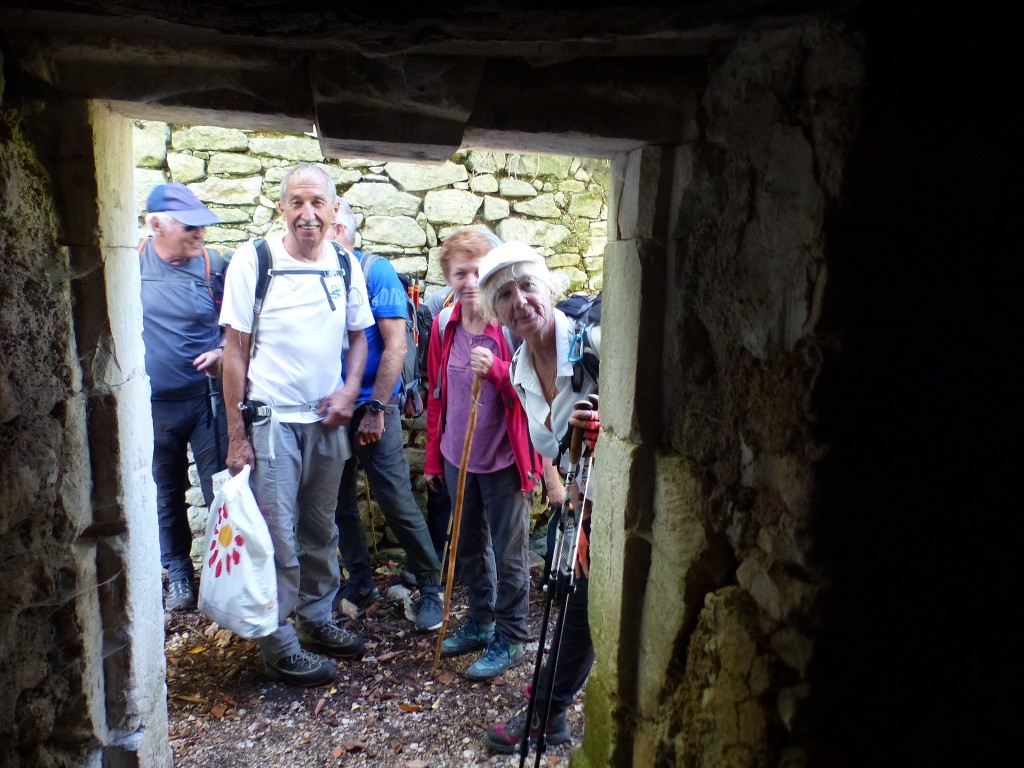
(472, 636)
(500, 656)
(429, 609)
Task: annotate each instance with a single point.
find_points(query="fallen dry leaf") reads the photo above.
(320, 705)
(389, 655)
(348, 745)
(196, 649)
(407, 707)
(218, 711)
(416, 764)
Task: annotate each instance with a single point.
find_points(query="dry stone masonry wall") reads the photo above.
(403, 210)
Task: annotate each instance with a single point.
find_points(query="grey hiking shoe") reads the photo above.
(500, 656)
(303, 668)
(181, 596)
(429, 609)
(506, 737)
(331, 639)
(472, 636)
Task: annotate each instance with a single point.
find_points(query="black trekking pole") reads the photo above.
(551, 568)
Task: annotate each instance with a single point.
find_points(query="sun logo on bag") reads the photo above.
(225, 542)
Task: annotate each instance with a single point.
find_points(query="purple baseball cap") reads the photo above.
(178, 202)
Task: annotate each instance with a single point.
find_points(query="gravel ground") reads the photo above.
(386, 710)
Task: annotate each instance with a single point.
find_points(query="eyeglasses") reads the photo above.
(190, 227)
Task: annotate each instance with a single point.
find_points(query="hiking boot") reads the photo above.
(506, 737)
(331, 639)
(361, 598)
(303, 668)
(471, 636)
(500, 656)
(429, 609)
(181, 596)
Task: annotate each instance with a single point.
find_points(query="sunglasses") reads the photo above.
(190, 227)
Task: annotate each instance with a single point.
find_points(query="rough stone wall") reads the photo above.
(44, 647)
(710, 454)
(79, 602)
(403, 210)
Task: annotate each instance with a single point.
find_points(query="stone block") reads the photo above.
(484, 184)
(563, 260)
(537, 233)
(542, 206)
(532, 166)
(495, 208)
(420, 177)
(393, 230)
(149, 143)
(485, 162)
(646, 192)
(586, 205)
(208, 137)
(575, 278)
(293, 148)
(233, 164)
(373, 198)
(186, 168)
(242, 191)
(451, 206)
(516, 188)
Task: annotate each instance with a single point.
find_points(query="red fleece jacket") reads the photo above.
(438, 352)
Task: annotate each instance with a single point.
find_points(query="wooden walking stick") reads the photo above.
(369, 513)
(453, 547)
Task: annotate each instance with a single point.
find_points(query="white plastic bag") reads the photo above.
(238, 586)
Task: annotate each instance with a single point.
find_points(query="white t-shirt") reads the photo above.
(524, 378)
(299, 338)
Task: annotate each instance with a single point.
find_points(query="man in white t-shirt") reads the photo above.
(292, 377)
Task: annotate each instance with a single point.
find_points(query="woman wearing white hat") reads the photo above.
(517, 290)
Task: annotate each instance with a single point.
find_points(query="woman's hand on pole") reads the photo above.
(434, 482)
(585, 416)
(480, 360)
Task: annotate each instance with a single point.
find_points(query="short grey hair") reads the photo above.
(346, 218)
(515, 272)
(163, 218)
(305, 171)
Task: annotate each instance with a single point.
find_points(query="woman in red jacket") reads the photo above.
(502, 471)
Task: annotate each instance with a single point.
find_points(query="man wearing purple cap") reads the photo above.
(182, 288)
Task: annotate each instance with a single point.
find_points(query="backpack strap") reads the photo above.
(442, 322)
(206, 262)
(345, 265)
(265, 275)
(264, 267)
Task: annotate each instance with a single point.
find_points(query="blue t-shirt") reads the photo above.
(179, 323)
(387, 300)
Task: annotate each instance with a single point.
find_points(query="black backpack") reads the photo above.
(411, 398)
(265, 271)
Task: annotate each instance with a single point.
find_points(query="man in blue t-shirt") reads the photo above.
(182, 287)
(376, 436)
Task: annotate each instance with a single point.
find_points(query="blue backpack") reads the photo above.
(410, 396)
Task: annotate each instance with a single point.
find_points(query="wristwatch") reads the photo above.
(375, 405)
